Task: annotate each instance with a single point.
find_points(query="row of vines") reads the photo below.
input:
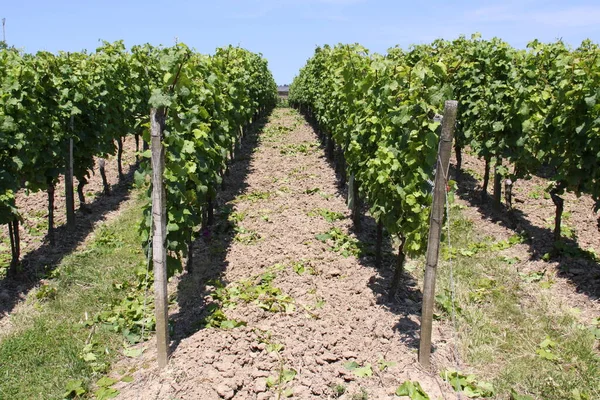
(208, 104)
(94, 100)
(519, 110)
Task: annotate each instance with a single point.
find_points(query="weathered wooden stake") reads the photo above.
(435, 229)
(508, 185)
(120, 158)
(497, 199)
(560, 205)
(137, 147)
(355, 203)
(69, 195)
(15, 246)
(159, 223)
(51, 188)
(379, 244)
(486, 181)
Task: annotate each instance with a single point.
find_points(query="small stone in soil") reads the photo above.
(257, 373)
(330, 357)
(349, 354)
(332, 273)
(225, 391)
(260, 385)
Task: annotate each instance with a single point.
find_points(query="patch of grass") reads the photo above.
(338, 389)
(539, 192)
(566, 230)
(265, 215)
(341, 242)
(54, 333)
(321, 193)
(5, 255)
(301, 267)
(468, 384)
(253, 197)
(504, 325)
(36, 224)
(330, 216)
(569, 250)
(300, 148)
(471, 249)
(473, 173)
(246, 236)
(235, 217)
(258, 290)
(312, 190)
(274, 131)
(362, 395)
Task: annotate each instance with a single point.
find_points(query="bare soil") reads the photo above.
(339, 313)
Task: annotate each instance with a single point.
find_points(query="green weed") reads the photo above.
(341, 242)
(253, 197)
(330, 216)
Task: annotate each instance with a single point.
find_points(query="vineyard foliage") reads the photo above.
(380, 110)
(209, 103)
(519, 110)
(98, 98)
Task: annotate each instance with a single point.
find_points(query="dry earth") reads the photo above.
(338, 316)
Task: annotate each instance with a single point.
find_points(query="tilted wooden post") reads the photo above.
(69, 195)
(435, 229)
(159, 224)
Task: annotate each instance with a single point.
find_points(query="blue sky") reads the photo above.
(287, 31)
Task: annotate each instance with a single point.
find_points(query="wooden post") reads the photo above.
(69, 195)
(497, 199)
(486, 180)
(508, 185)
(435, 229)
(15, 245)
(353, 202)
(159, 223)
(379, 244)
(120, 158)
(560, 205)
(51, 188)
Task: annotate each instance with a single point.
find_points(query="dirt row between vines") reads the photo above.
(331, 314)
